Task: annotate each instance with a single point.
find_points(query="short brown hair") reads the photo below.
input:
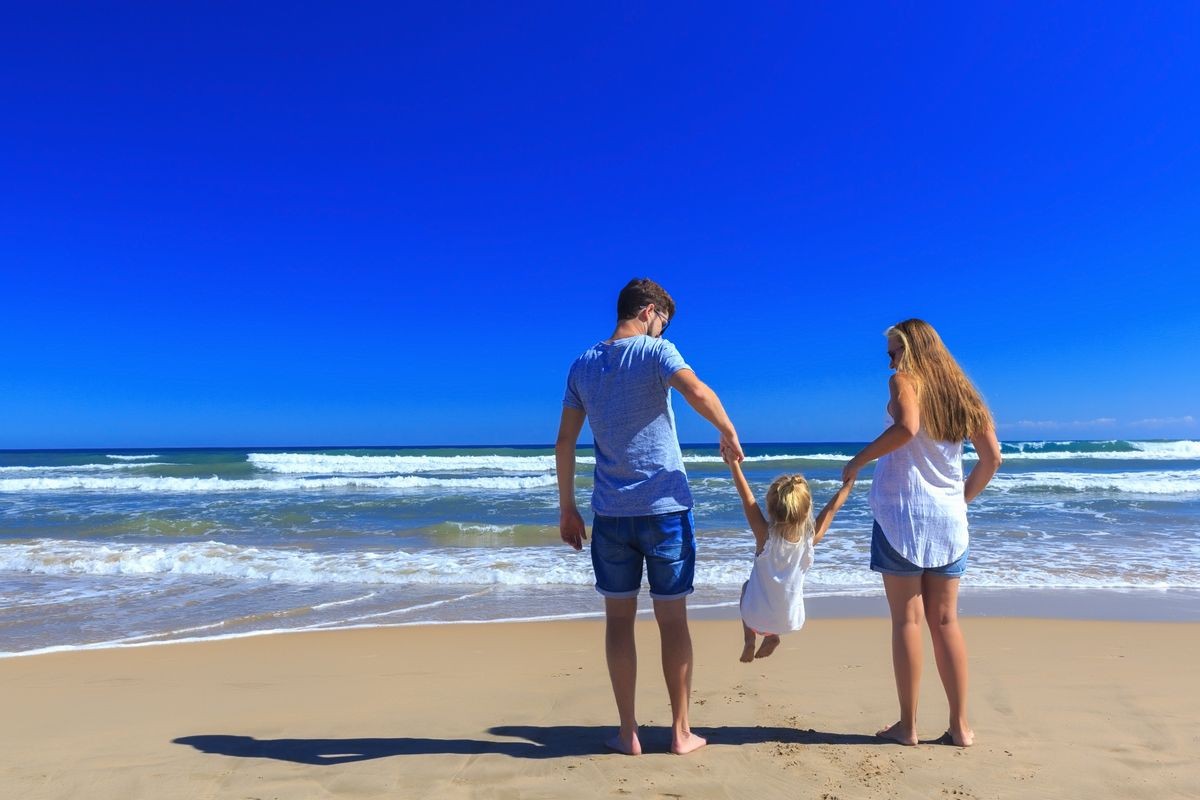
(641, 292)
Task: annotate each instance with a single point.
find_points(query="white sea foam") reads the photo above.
(146, 457)
(165, 485)
(402, 610)
(844, 569)
(1139, 451)
(336, 603)
(694, 459)
(1167, 482)
(460, 566)
(60, 468)
(320, 464)
(1181, 450)
(481, 527)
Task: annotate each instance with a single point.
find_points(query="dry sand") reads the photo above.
(1061, 709)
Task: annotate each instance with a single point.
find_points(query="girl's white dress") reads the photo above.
(774, 598)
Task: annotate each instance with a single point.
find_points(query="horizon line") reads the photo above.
(549, 446)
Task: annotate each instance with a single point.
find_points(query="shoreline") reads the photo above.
(1085, 708)
(1156, 606)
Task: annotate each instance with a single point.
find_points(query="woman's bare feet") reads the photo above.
(960, 737)
(630, 746)
(680, 745)
(899, 734)
(769, 643)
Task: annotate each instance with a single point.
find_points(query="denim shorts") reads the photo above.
(885, 559)
(665, 543)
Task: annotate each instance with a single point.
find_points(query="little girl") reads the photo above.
(773, 598)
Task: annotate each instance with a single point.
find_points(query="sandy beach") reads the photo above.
(1061, 708)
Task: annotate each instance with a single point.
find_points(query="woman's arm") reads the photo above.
(754, 515)
(987, 447)
(825, 518)
(907, 421)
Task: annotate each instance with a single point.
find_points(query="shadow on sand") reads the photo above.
(537, 742)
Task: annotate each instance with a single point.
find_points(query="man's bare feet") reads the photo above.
(630, 747)
(895, 733)
(770, 642)
(687, 743)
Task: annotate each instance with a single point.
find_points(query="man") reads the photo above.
(641, 500)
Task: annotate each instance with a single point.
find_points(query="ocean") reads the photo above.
(122, 547)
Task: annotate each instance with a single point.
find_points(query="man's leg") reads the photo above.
(677, 669)
(621, 651)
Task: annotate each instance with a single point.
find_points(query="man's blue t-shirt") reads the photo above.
(623, 388)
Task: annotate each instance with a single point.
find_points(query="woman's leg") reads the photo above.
(949, 649)
(904, 601)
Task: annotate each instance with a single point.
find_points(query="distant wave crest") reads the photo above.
(1173, 482)
(1113, 450)
(166, 485)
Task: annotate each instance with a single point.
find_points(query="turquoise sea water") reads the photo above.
(138, 546)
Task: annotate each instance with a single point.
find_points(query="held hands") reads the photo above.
(850, 471)
(571, 529)
(731, 449)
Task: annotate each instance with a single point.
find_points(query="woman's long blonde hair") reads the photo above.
(789, 507)
(951, 407)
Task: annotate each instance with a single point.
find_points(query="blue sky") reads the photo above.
(382, 223)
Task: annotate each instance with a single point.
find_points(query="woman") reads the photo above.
(919, 500)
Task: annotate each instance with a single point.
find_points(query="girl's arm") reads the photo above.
(907, 421)
(754, 515)
(988, 449)
(825, 518)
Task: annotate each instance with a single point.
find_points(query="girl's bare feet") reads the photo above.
(769, 643)
(748, 636)
(899, 734)
(686, 743)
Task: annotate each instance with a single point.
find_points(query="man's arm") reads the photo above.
(570, 523)
(706, 403)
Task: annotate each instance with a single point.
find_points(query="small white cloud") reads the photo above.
(1053, 424)
(1164, 422)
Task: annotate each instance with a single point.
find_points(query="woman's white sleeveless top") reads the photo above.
(774, 598)
(917, 499)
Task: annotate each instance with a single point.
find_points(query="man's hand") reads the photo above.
(731, 448)
(571, 529)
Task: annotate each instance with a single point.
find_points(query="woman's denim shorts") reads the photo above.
(885, 559)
